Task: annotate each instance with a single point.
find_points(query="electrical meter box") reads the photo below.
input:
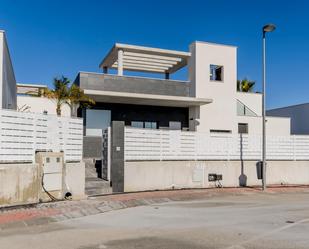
(51, 166)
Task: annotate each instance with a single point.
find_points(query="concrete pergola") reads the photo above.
(144, 59)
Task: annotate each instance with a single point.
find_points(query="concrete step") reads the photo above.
(95, 185)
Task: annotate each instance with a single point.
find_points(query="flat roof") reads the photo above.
(29, 89)
(31, 85)
(145, 99)
(146, 59)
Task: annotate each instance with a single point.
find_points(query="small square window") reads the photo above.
(137, 124)
(216, 73)
(242, 128)
(150, 125)
(173, 125)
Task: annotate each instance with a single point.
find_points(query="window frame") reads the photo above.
(210, 73)
(247, 128)
(143, 124)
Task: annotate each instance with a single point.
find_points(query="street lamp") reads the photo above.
(267, 28)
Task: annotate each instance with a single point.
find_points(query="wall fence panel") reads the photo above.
(22, 134)
(147, 144)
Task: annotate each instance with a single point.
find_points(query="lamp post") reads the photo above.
(267, 28)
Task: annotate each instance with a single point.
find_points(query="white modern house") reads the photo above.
(207, 101)
(7, 77)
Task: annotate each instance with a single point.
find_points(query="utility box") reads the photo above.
(259, 170)
(51, 166)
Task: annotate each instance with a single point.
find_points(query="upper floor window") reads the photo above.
(216, 73)
(146, 124)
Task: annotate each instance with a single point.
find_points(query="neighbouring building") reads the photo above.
(7, 77)
(299, 117)
(30, 98)
(207, 101)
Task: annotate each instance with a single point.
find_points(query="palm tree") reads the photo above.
(77, 99)
(245, 85)
(63, 93)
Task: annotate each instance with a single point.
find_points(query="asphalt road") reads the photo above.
(247, 221)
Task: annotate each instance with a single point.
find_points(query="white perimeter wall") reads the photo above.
(41, 104)
(153, 175)
(7, 77)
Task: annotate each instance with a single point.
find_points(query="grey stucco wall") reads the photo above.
(8, 96)
(117, 156)
(92, 147)
(299, 115)
(106, 82)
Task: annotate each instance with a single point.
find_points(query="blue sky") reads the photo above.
(51, 38)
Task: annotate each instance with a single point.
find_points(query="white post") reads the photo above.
(293, 139)
(120, 62)
(264, 114)
(109, 144)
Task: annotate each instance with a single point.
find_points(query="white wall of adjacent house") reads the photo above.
(41, 105)
(7, 77)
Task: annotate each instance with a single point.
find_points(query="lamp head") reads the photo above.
(269, 28)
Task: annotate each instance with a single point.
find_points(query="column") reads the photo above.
(120, 62)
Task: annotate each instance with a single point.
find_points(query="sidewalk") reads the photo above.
(45, 213)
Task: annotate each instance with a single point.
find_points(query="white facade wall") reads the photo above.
(221, 114)
(7, 77)
(299, 115)
(277, 126)
(40, 105)
(252, 100)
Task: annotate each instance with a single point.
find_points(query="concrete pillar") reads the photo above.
(167, 76)
(105, 70)
(117, 156)
(84, 112)
(120, 62)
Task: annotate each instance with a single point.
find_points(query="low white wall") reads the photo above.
(19, 184)
(75, 179)
(153, 175)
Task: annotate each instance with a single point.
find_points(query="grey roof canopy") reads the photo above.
(144, 59)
